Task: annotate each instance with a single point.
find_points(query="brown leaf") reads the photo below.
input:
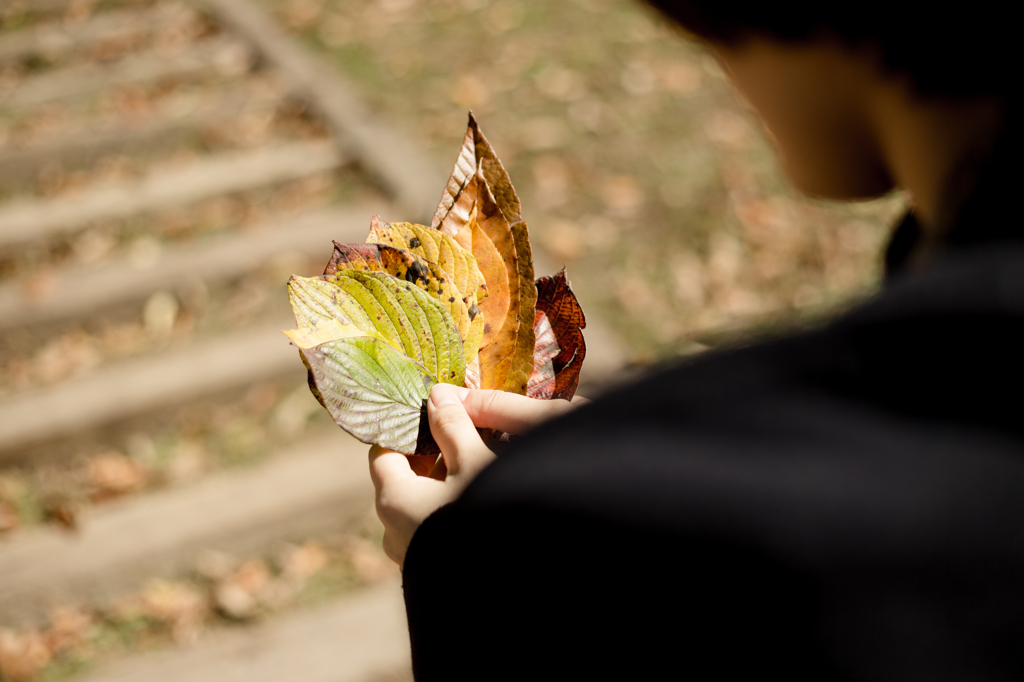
(497, 178)
(238, 595)
(476, 157)
(69, 627)
(298, 564)
(353, 257)
(62, 513)
(9, 517)
(556, 300)
(174, 603)
(178, 606)
(112, 474)
(462, 174)
(22, 654)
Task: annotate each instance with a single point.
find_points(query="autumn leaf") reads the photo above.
(492, 269)
(479, 190)
(409, 257)
(413, 268)
(454, 302)
(374, 346)
(435, 246)
(476, 157)
(542, 381)
(557, 302)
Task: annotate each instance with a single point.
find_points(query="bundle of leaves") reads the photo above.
(455, 302)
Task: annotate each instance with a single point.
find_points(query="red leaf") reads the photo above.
(556, 300)
(542, 381)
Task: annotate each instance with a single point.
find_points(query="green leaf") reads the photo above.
(324, 312)
(371, 390)
(415, 268)
(374, 344)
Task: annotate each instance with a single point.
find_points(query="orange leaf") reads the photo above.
(507, 362)
(492, 268)
(479, 191)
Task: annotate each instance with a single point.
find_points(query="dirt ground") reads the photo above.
(639, 167)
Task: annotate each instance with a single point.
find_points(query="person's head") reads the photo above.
(818, 74)
(963, 50)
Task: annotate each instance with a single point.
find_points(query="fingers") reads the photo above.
(511, 412)
(403, 499)
(387, 466)
(464, 451)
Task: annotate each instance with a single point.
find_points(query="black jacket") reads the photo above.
(845, 503)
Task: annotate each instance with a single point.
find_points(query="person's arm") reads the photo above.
(404, 499)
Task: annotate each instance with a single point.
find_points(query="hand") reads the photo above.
(404, 499)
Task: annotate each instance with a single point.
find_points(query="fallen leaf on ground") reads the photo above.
(69, 627)
(9, 517)
(240, 594)
(22, 654)
(178, 605)
(556, 300)
(299, 564)
(113, 474)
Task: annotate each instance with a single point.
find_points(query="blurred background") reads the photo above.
(173, 502)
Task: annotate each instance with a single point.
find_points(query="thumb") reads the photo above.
(461, 445)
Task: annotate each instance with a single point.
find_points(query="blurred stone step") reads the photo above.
(24, 220)
(78, 292)
(221, 55)
(146, 384)
(318, 486)
(19, 165)
(51, 38)
(411, 180)
(362, 638)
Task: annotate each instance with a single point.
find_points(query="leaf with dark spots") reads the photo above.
(442, 249)
(412, 306)
(374, 345)
(460, 272)
(556, 300)
(410, 267)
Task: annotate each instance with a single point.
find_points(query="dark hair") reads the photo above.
(963, 50)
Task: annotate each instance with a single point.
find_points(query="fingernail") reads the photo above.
(446, 394)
